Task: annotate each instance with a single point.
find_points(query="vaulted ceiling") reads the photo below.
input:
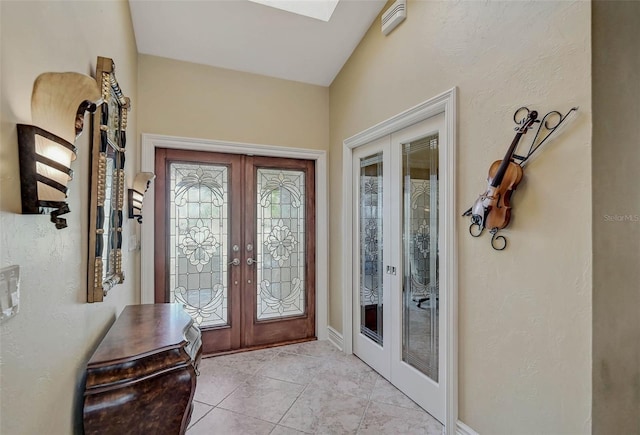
(246, 36)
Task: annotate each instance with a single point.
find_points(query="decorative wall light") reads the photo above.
(46, 149)
(136, 195)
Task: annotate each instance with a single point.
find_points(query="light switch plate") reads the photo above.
(9, 292)
(133, 243)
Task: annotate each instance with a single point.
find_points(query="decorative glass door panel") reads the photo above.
(420, 251)
(370, 241)
(235, 244)
(370, 218)
(199, 241)
(280, 243)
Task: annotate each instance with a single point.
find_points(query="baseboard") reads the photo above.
(463, 429)
(335, 338)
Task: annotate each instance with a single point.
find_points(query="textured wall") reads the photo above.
(524, 313)
(45, 347)
(616, 218)
(190, 100)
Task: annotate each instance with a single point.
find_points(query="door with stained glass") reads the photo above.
(417, 357)
(372, 327)
(235, 244)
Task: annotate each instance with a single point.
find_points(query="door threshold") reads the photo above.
(264, 346)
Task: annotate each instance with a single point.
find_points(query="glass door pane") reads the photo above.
(198, 241)
(281, 250)
(420, 255)
(370, 246)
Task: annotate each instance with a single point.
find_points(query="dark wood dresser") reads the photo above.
(142, 377)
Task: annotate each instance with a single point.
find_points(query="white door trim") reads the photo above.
(445, 102)
(152, 141)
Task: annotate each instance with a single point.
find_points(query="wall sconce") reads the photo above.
(46, 150)
(136, 195)
(45, 161)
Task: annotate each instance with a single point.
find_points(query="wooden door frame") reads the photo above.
(147, 243)
(443, 103)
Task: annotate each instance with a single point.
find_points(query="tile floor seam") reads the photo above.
(201, 402)
(346, 393)
(221, 405)
(282, 380)
(366, 408)
(287, 411)
(380, 402)
(301, 354)
(245, 415)
(290, 406)
(230, 393)
(191, 424)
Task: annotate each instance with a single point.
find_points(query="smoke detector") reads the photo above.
(396, 14)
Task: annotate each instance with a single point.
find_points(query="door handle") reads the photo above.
(235, 262)
(251, 261)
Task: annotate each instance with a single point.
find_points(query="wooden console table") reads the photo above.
(142, 377)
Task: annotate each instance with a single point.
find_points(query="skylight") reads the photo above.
(318, 9)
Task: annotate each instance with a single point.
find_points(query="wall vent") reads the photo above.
(396, 14)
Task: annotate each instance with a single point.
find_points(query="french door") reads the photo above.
(397, 323)
(235, 244)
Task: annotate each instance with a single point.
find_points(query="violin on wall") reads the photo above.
(492, 209)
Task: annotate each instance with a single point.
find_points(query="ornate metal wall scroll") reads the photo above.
(492, 209)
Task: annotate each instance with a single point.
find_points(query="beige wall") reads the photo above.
(190, 100)
(45, 347)
(616, 218)
(524, 313)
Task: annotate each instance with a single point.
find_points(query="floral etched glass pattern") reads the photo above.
(420, 315)
(199, 228)
(280, 249)
(370, 223)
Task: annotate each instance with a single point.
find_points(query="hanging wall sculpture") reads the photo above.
(492, 209)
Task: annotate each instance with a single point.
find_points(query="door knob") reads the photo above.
(235, 262)
(251, 261)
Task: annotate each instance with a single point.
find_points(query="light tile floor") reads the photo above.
(302, 388)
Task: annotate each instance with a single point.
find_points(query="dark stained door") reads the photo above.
(235, 244)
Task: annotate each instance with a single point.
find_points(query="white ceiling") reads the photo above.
(247, 36)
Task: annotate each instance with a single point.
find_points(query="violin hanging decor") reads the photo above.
(492, 209)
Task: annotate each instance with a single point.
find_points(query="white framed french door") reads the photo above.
(371, 333)
(397, 323)
(418, 326)
(400, 258)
